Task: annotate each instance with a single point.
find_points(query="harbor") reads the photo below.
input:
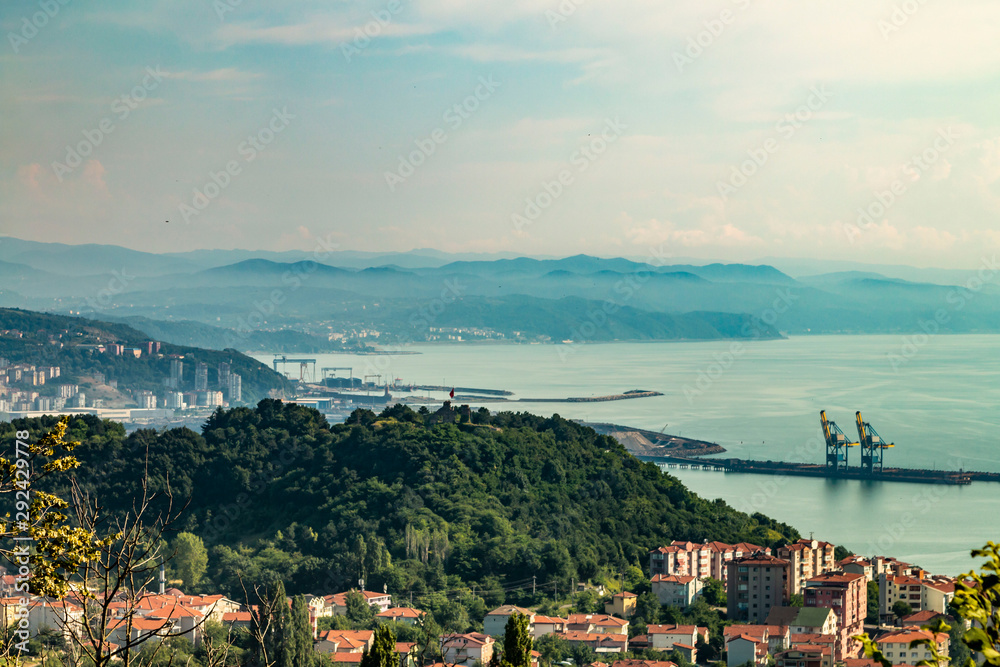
(668, 452)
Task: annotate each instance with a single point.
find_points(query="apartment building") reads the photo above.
(755, 584)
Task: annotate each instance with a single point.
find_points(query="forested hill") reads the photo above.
(419, 502)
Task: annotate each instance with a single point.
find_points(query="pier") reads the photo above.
(747, 466)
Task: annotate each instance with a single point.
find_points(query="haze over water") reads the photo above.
(937, 405)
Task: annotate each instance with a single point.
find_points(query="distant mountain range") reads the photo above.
(288, 300)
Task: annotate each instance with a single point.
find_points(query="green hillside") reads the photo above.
(417, 502)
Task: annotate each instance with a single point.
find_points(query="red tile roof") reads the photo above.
(672, 579)
(811, 648)
(643, 663)
(550, 620)
(344, 657)
(671, 629)
(836, 577)
(473, 638)
(755, 630)
(236, 617)
(907, 636)
(812, 638)
(400, 612)
(509, 609)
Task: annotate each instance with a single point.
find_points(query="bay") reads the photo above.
(934, 397)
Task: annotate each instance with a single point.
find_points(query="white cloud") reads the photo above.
(320, 30)
(215, 75)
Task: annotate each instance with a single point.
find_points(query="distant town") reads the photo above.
(29, 390)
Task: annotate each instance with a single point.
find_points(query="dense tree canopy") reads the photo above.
(460, 516)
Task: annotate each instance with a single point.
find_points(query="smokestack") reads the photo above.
(163, 578)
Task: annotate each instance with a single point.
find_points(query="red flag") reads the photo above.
(452, 393)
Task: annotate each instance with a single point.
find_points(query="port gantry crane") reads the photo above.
(837, 444)
(872, 446)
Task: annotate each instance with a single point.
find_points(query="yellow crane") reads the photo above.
(872, 445)
(837, 443)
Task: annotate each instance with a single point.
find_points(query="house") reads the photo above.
(920, 618)
(804, 620)
(666, 637)
(337, 603)
(237, 619)
(495, 622)
(61, 615)
(861, 662)
(805, 655)
(599, 642)
(546, 625)
(344, 641)
(896, 646)
(317, 606)
(858, 565)
(775, 637)
(138, 629)
(211, 606)
(404, 615)
(936, 593)
(466, 649)
(688, 651)
(407, 654)
(809, 638)
(597, 623)
(184, 620)
(676, 590)
(755, 584)
(8, 585)
(847, 594)
(168, 613)
(642, 663)
(743, 648)
(622, 604)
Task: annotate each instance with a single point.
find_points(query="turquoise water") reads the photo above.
(935, 399)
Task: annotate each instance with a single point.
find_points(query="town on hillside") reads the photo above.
(792, 606)
(29, 390)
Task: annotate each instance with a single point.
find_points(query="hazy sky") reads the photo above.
(398, 124)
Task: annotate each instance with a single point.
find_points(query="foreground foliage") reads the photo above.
(459, 512)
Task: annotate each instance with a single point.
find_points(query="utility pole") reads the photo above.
(572, 585)
(532, 584)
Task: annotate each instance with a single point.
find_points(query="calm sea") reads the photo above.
(935, 398)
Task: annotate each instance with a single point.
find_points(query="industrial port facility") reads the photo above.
(871, 466)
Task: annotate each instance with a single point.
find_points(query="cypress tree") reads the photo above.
(517, 641)
(383, 652)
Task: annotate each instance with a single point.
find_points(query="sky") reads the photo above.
(861, 130)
